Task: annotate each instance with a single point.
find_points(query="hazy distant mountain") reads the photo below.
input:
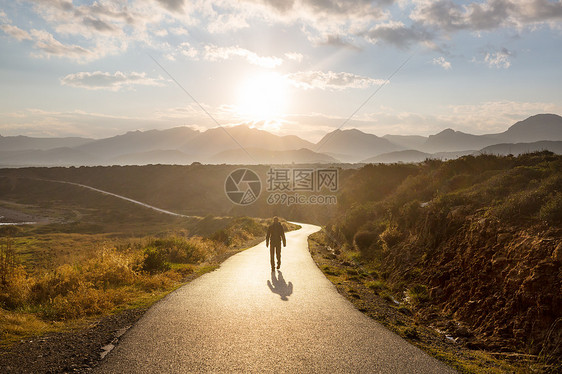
(183, 145)
(535, 128)
(399, 156)
(220, 139)
(139, 141)
(169, 157)
(52, 157)
(451, 140)
(23, 143)
(519, 148)
(261, 156)
(452, 155)
(407, 141)
(354, 144)
(532, 129)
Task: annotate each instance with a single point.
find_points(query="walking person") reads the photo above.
(275, 234)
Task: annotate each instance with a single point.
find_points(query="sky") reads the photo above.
(303, 67)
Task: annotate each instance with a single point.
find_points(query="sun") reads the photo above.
(263, 97)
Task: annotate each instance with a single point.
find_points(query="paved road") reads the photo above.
(243, 318)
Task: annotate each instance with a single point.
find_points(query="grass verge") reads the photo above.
(372, 295)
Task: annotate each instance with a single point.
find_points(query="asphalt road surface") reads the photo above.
(244, 318)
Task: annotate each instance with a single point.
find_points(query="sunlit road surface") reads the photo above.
(244, 318)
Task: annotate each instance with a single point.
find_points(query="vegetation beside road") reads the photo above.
(470, 247)
(54, 281)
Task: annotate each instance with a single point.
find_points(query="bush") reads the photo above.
(330, 271)
(391, 236)
(221, 236)
(154, 261)
(15, 292)
(110, 269)
(84, 301)
(410, 213)
(368, 243)
(375, 285)
(63, 280)
(418, 293)
(521, 204)
(552, 210)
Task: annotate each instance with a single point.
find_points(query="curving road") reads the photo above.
(243, 318)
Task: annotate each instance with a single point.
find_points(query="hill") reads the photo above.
(167, 157)
(182, 145)
(354, 145)
(520, 148)
(139, 142)
(532, 129)
(57, 156)
(470, 246)
(219, 139)
(450, 140)
(407, 141)
(20, 143)
(399, 156)
(261, 156)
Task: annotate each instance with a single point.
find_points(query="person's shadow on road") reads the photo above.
(279, 286)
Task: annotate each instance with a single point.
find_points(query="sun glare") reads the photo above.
(263, 97)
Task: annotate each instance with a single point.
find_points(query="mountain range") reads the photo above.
(246, 145)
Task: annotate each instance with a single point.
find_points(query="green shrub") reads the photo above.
(15, 291)
(375, 285)
(552, 210)
(418, 293)
(64, 279)
(330, 271)
(221, 236)
(368, 243)
(391, 236)
(180, 250)
(410, 212)
(154, 261)
(110, 268)
(522, 204)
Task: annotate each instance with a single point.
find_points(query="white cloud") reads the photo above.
(398, 34)
(331, 80)
(185, 49)
(161, 32)
(99, 80)
(214, 53)
(15, 32)
(227, 22)
(486, 15)
(294, 56)
(442, 62)
(178, 30)
(50, 46)
(175, 6)
(499, 59)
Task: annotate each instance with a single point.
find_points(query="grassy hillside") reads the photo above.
(95, 254)
(472, 246)
(190, 189)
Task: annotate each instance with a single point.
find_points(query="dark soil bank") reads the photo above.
(67, 352)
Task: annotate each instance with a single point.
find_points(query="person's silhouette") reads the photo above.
(275, 234)
(279, 286)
